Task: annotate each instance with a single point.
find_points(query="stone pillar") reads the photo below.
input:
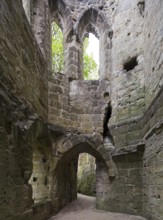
(73, 60)
(42, 28)
(105, 56)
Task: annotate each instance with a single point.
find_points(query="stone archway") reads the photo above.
(64, 187)
(92, 20)
(60, 10)
(61, 13)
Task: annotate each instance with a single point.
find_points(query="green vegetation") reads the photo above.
(87, 183)
(90, 66)
(57, 48)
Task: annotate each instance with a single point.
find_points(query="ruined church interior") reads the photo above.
(56, 126)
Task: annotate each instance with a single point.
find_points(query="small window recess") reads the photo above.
(130, 64)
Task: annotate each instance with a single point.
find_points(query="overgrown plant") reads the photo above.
(90, 69)
(90, 66)
(57, 49)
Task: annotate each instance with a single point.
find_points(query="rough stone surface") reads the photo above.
(84, 208)
(47, 119)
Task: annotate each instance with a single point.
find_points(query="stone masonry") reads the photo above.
(47, 119)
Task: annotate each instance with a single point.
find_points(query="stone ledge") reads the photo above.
(128, 150)
(57, 130)
(153, 130)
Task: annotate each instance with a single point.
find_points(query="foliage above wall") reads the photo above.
(57, 49)
(90, 69)
(90, 66)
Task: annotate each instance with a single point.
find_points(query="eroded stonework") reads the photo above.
(48, 119)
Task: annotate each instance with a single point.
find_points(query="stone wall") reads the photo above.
(129, 175)
(88, 101)
(78, 105)
(23, 110)
(153, 49)
(42, 29)
(64, 187)
(58, 102)
(20, 130)
(124, 193)
(127, 84)
(152, 170)
(127, 93)
(152, 160)
(41, 178)
(28, 7)
(134, 113)
(22, 65)
(153, 175)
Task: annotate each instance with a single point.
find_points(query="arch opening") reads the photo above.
(93, 21)
(90, 57)
(65, 180)
(57, 48)
(86, 175)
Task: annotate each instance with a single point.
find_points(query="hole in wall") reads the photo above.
(35, 179)
(44, 159)
(141, 6)
(106, 95)
(110, 34)
(101, 7)
(130, 64)
(46, 181)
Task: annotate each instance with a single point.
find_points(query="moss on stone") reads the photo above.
(87, 183)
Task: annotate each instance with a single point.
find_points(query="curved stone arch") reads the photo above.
(58, 20)
(91, 29)
(76, 144)
(65, 173)
(59, 9)
(91, 16)
(94, 17)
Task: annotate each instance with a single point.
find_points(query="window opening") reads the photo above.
(91, 57)
(57, 49)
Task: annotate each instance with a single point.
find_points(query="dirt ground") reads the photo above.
(84, 209)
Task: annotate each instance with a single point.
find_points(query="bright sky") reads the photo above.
(93, 47)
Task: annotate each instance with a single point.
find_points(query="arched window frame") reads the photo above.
(94, 17)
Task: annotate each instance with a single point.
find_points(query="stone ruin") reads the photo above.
(47, 119)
